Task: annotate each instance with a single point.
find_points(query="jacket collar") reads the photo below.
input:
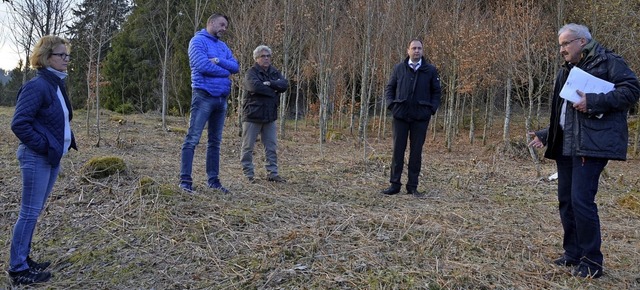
(423, 63)
(260, 69)
(206, 34)
(589, 53)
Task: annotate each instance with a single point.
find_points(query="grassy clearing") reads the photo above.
(488, 222)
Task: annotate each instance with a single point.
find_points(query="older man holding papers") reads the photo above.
(588, 127)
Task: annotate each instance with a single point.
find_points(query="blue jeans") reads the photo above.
(38, 177)
(268, 134)
(204, 109)
(578, 179)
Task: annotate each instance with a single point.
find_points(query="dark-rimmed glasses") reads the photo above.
(63, 56)
(564, 44)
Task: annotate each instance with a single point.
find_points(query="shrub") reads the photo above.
(125, 109)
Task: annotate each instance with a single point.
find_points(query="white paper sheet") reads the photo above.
(582, 80)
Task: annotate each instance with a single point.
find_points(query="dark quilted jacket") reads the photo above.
(261, 101)
(38, 121)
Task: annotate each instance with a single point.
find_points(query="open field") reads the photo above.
(487, 223)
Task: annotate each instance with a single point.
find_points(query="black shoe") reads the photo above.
(391, 190)
(415, 193)
(276, 178)
(217, 186)
(29, 276)
(186, 187)
(563, 261)
(38, 267)
(584, 271)
(251, 180)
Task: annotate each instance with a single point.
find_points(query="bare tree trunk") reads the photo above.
(507, 112)
(461, 105)
(165, 64)
(636, 143)
(364, 88)
(352, 106)
(434, 125)
(287, 42)
(89, 79)
(451, 107)
(325, 73)
(98, 97)
(472, 122)
(383, 112)
(527, 124)
(298, 85)
(371, 94)
(488, 116)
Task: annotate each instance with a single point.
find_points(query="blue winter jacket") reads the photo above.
(38, 120)
(205, 75)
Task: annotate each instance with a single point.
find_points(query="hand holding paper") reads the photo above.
(580, 80)
(581, 104)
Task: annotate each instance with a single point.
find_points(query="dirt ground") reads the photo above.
(487, 223)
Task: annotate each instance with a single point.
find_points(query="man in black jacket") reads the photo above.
(263, 85)
(413, 96)
(582, 137)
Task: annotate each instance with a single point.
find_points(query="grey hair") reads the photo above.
(578, 30)
(260, 48)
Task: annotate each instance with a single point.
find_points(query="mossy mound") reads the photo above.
(104, 166)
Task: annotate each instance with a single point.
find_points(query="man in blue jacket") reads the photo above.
(413, 96)
(582, 137)
(212, 63)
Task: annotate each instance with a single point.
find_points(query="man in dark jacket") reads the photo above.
(263, 85)
(582, 137)
(413, 96)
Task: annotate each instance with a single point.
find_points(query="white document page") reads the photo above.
(582, 80)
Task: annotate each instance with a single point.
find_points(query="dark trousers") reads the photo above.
(416, 133)
(577, 187)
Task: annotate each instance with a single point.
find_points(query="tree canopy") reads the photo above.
(338, 54)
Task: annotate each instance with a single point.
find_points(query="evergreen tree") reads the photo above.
(132, 70)
(134, 66)
(11, 88)
(91, 34)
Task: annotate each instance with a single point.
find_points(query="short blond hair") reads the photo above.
(44, 48)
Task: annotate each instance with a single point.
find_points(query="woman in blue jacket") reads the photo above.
(42, 124)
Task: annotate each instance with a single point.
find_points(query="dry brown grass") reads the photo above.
(487, 223)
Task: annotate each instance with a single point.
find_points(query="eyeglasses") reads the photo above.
(564, 44)
(265, 56)
(63, 56)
